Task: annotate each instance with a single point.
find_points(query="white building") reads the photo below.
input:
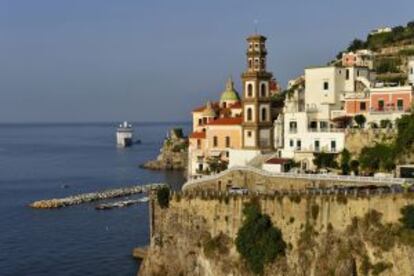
(308, 113)
(381, 30)
(411, 70)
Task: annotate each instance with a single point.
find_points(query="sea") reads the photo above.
(41, 161)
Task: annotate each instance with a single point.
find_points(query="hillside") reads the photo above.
(390, 47)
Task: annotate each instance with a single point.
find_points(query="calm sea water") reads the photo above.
(36, 161)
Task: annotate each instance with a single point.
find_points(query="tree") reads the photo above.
(408, 217)
(354, 164)
(216, 164)
(324, 160)
(386, 123)
(345, 158)
(356, 44)
(377, 158)
(410, 25)
(258, 241)
(163, 197)
(360, 120)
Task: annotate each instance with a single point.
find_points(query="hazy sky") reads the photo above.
(149, 60)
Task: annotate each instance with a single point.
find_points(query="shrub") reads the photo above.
(258, 241)
(360, 120)
(163, 197)
(345, 158)
(408, 217)
(315, 211)
(386, 123)
(354, 164)
(216, 246)
(324, 160)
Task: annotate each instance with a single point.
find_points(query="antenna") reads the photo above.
(256, 22)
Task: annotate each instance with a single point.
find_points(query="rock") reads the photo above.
(173, 154)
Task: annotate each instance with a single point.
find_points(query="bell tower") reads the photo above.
(257, 118)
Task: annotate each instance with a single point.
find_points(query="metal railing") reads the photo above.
(339, 178)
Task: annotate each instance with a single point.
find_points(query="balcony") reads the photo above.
(293, 130)
(389, 109)
(331, 130)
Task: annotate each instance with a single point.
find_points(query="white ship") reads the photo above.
(124, 135)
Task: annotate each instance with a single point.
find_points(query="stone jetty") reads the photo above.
(89, 197)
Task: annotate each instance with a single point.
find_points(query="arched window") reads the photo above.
(250, 90)
(263, 90)
(264, 114)
(249, 114)
(250, 63)
(227, 141)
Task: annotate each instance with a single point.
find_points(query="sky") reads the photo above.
(153, 60)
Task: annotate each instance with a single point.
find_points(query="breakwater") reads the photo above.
(89, 197)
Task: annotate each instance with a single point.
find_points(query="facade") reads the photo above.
(216, 130)
(411, 70)
(360, 58)
(257, 119)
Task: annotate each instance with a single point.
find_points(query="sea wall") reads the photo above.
(325, 234)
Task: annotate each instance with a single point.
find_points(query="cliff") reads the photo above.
(324, 234)
(173, 154)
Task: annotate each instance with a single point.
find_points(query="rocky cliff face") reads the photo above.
(173, 154)
(325, 235)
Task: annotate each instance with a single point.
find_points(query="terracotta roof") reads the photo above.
(215, 106)
(227, 121)
(198, 135)
(277, 161)
(236, 105)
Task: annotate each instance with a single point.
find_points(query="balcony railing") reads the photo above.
(311, 129)
(388, 109)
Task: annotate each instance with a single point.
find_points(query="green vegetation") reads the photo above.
(258, 241)
(325, 160)
(315, 211)
(163, 197)
(387, 65)
(216, 246)
(408, 217)
(386, 123)
(360, 120)
(216, 165)
(377, 158)
(345, 160)
(384, 156)
(354, 164)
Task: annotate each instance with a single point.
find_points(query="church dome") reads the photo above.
(230, 94)
(209, 111)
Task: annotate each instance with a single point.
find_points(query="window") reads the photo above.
(200, 122)
(316, 144)
(347, 74)
(250, 63)
(204, 120)
(249, 134)
(325, 85)
(227, 142)
(333, 146)
(362, 106)
(323, 125)
(298, 144)
(358, 73)
(198, 144)
(291, 143)
(224, 105)
(264, 114)
(263, 90)
(250, 90)
(249, 114)
(293, 127)
(381, 105)
(400, 104)
(412, 70)
(215, 141)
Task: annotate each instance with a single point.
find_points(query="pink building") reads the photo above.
(391, 99)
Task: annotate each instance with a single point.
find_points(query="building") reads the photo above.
(411, 70)
(216, 130)
(359, 58)
(381, 30)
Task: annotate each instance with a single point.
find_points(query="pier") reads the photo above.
(90, 197)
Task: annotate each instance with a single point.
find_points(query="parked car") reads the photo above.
(238, 191)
